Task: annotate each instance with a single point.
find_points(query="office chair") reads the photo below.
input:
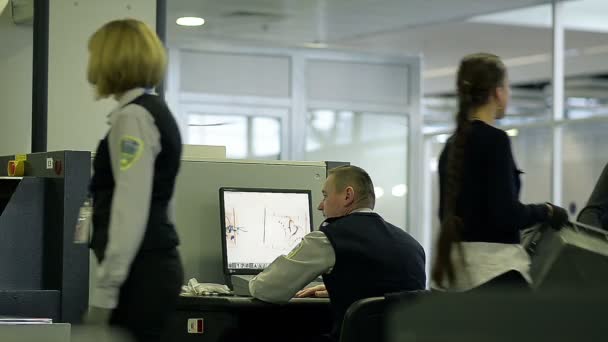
(364, 321)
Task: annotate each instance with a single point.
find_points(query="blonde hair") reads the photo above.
(125, 54)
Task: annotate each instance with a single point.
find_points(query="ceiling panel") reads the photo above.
(301, 21)
(437, 29)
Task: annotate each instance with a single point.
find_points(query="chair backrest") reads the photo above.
(404, 297)
(364, 321)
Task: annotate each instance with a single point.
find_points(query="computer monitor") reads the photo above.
(258, 225)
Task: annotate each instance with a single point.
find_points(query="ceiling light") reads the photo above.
(527, 60)
(323, 120)
(315, 45)
(433, 164)
(399, 190)
(378, 191)
(512, 132)
(190, 21)
(442, 138)
(440, 72)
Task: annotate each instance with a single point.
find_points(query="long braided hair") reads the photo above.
(478, 76)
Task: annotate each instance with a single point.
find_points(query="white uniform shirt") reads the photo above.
(133, 178)
(286, 275)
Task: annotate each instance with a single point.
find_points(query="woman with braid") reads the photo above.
(480, 212)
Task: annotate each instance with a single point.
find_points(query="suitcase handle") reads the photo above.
(534, 240)
(595, 230)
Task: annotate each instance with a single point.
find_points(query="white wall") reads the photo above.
(16, 86)
(75, 120)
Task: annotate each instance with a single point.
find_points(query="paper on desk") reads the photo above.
(194, 288)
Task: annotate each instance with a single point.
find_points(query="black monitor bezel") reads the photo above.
(222, 190)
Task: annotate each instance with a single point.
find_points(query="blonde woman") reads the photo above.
(134, 239)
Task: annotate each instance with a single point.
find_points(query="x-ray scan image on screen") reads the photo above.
(262, 224)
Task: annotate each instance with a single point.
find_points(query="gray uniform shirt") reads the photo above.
(133, 176)
(288, 274)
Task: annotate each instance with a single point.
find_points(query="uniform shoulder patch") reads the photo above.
(130, 151)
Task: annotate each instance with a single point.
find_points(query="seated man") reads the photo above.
(596, 212)
(358, 254)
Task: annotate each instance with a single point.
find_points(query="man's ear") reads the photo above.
(500, 94)
(349, 195)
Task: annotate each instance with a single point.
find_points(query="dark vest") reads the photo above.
(160, 232)
(373, 257)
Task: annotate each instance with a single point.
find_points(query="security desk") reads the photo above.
(56, 332)
(228, 318)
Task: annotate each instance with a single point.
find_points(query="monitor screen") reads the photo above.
(258, 225)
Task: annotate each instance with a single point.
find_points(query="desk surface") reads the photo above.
(226, 318)
(187, 302)
(57, 332)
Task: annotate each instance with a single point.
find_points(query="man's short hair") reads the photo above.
(125, 54)
(359, 180)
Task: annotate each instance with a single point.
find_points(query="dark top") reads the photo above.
(160, 232)
(373, 257)
(489, 196)
(596, 212)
